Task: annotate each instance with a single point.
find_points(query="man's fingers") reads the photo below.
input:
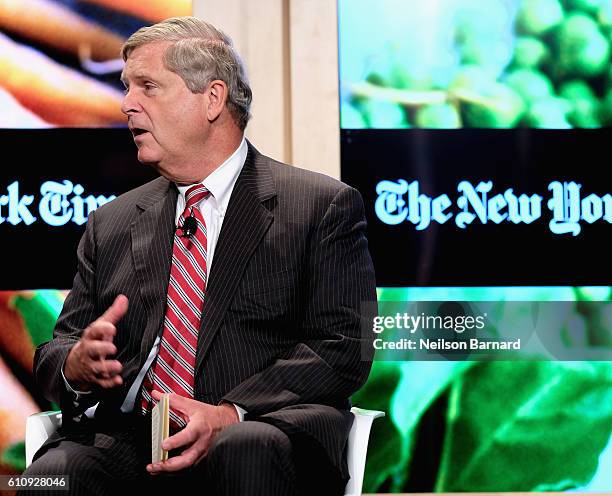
(172, 464)
(100, 349)
(187, 458)
(180, 404)
(100, 330)
(110, 383)
(106, 373)
(104, 369)
(184, 437)
(103, 328)
(176, 402)
(117, 310)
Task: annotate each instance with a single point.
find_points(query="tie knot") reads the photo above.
(194, 195)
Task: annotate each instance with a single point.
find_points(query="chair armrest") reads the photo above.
(39, 427)
(358, 447)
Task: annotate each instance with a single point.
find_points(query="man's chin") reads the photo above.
(147, 158)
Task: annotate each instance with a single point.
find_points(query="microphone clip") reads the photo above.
(189, 227)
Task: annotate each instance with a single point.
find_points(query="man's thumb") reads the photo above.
(117, 310)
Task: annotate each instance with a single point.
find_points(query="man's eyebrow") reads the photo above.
(135, 77)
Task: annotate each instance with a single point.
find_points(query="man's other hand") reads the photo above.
(87, 364)
(204, 422)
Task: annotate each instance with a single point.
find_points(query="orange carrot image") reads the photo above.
(152, 10)
(16, 116)
(15, 340)
(57, 26)
(58, 94)
(16, 405)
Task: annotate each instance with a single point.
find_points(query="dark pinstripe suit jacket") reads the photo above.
(280, 333)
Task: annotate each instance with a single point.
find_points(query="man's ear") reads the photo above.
(217, 96)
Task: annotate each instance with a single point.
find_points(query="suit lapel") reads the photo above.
(245, 223)
(152, 237)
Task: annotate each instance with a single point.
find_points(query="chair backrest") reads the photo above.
(358, 448)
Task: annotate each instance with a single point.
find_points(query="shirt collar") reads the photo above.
(220, 182)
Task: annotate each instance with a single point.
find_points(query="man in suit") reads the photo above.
(233, 282)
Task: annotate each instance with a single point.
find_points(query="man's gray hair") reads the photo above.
(200, 54)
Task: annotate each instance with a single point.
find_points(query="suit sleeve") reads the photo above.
(78, 312)
(333, 358)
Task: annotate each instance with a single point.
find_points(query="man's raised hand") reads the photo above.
(86, 364)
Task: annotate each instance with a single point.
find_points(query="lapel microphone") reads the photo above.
(190, 226)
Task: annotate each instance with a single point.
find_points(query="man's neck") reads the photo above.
(212, 158)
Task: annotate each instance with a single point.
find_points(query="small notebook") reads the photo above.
(160, 429)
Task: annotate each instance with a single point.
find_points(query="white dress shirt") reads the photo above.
(220, 183)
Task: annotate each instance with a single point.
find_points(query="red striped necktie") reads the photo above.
(173, 370)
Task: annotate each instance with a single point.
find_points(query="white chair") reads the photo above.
(40, 426)
(358, 448)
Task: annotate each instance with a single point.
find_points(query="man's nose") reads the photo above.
(129, 105)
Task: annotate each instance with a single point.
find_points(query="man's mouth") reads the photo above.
(137, 131)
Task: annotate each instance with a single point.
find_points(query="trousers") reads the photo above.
(247, 458)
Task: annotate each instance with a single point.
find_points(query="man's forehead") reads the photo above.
(143, 60)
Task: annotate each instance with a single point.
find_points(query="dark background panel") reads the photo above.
(526, 160)
(102, 161)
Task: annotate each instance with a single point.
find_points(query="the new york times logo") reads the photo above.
(402, 201)
(58, 204)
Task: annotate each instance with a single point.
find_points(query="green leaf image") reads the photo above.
(526, 426)
(532, 426)
(40, 312)
(421, 384)
(14, 456)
